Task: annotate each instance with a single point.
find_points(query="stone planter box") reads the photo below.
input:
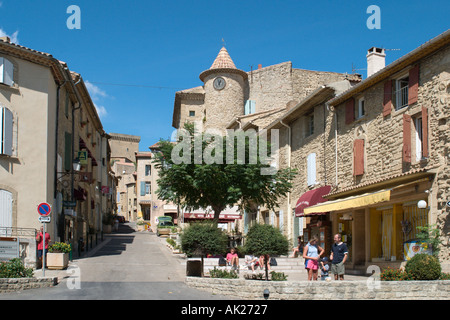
(57, 261)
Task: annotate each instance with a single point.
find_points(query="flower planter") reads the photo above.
(57, 261)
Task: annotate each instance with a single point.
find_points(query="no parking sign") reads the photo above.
(44, 210)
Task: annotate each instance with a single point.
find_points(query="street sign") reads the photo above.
(44, 219)
(44, 209)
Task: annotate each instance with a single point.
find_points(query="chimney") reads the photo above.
(5, 39)
(259, 66)
(375, 60)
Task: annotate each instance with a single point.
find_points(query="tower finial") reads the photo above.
(223, 42)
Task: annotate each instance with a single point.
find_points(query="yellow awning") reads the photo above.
(351, 202)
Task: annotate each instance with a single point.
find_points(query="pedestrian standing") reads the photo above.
(312, 253)
(339, 254)
(40, 244)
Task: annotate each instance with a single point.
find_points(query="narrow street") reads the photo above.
(126, 265)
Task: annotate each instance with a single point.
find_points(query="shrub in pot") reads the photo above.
(58, 255)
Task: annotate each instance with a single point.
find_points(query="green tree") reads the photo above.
(203, 238)
(263, 239)
(219, 172)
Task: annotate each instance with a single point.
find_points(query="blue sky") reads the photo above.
(136, 54)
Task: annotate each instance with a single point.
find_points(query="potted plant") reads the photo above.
(108, 221)
(58, 256)
(140, 224)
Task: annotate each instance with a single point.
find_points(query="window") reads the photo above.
(191, 113)
(401, 93)
(148, 187)
(6, 131)
(148, 170)
(419, 138)
(249, 107)
(360, 111)
(309, 124)
(6, 72)
(311, 169)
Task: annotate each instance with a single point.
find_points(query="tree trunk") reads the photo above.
(265, 266)
(217, 210)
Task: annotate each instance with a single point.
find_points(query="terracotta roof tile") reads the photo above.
(223, 60)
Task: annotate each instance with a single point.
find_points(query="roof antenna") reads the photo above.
(223, 43)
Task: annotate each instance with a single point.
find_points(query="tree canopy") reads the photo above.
(206, 169)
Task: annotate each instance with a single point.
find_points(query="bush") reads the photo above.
(278, 276)
(265, 239)
(59, 247)
(218, 273)
(203, 238)
(445, 276)
(171, 242)
(15, 269)
(423, 267)
(391, 274)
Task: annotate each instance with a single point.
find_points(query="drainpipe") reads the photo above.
(56, 136)
(336, 143)
(289, 213)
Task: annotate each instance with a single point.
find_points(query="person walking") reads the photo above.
(40, 244)
(339, 254)
(312, 253)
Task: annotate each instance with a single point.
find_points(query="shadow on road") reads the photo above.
(117, 242)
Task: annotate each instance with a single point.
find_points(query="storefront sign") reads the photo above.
(83, 156)
(411, 248)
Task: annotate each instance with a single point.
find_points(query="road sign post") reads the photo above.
(44, 210)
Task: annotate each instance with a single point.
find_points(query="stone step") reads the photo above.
(295, 262)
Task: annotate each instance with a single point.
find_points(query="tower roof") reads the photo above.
(223, 60)
(223, 63)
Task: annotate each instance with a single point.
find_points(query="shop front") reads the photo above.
(317, 223)
(379, 227)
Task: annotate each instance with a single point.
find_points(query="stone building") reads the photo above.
(230, 98)
(49, 124)
(381, 159)
(123, 158)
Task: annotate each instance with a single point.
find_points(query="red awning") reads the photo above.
(227, 217)
(311, 198)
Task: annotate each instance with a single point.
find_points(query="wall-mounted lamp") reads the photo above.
(422, 204)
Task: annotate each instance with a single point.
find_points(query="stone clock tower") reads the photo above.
(224, 91)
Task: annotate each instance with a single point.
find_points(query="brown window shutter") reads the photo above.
(350, 111)
(425, 152)
(358, 157)
(406, 138)
(387, 98)
(413, 85)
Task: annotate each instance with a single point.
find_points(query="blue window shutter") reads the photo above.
(252, 106)
(6, 131)
(247, 107)
(142, 188)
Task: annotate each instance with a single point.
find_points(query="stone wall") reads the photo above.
(319, 290)
(18, 284)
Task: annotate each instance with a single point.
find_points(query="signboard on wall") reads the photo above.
(9, 248)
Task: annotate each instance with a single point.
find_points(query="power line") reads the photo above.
(135, 85)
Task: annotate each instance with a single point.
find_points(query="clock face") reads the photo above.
(219, 83)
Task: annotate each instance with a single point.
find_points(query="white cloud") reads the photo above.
(14, 37)
(95, 91)
(101, 111)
